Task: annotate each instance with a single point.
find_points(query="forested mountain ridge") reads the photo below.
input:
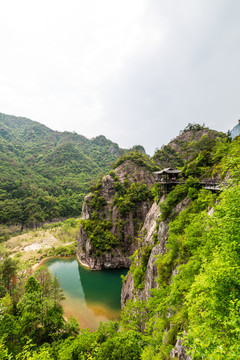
(45, 174)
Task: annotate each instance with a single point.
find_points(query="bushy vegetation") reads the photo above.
(188, 189)
(227, 156)
(214, 158)
(128, 198)
(168, 157)
(192, 142)
(139, 159)
(99, 234)
(139, 266)
(194, 149)
(193, 127)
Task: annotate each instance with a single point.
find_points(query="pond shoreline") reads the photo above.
(42, 261)
(85, 265)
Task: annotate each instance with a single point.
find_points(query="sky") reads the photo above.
(136, 71)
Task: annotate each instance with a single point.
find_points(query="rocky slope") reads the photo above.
(114, 210)
(147, 233)
(153, 236)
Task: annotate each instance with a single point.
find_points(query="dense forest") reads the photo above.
(45, 174)
(197, 299)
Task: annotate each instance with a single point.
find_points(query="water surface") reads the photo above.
(91, 296)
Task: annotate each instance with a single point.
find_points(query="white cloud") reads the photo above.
(136, 71)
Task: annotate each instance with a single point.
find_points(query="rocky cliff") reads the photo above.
(112, 215)
(153, 238)
(146, 239)
(151, 243)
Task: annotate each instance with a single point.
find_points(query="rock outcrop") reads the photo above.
(148, 231)
(125, 225)
(153, 232)
(135, 173)
(179, 352)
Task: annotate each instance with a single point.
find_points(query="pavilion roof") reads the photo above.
(167, 171)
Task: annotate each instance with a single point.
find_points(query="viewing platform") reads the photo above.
(168, 178)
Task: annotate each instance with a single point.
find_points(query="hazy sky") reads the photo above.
(136, 71)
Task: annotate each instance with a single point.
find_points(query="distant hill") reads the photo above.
(45, 174)
(236, 130)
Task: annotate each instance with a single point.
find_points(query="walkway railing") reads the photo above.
(209, 184)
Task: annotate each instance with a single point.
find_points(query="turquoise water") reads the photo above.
(91, 296)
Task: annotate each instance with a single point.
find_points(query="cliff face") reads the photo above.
(149, 230)
(134, 173)
(125, 202)
(154, 235)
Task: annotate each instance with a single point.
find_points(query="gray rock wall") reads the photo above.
(148, 231)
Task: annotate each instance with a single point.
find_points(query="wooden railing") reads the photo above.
(209, 184)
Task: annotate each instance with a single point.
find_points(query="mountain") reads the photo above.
(45, 174)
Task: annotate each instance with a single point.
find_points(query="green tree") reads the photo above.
(32, 285)
(8, 272)
(125, 345)
(56, 292)
(84, 346)
(53, 322)
(134, 315)
(44, 278)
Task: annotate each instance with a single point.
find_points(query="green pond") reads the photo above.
(91, 296)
